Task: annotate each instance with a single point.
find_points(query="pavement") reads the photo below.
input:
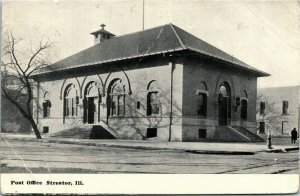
(192, 147)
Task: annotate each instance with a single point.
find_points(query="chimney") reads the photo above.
(101, 35)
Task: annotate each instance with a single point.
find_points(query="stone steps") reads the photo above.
(87, 131)
(228, 134)
(78, 132)
(252, 136)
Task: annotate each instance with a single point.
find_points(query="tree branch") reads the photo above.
(41, 48)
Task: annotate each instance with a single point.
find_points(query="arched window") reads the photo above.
(71, 101)
(244, 94)
(244, 105)
(117, 99)
(224, 91)
(153, 105)
(46, 105)
(92, 90)
(202, 100)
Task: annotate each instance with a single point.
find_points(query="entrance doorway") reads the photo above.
(92, 110)
(224, 104)
(92, 100)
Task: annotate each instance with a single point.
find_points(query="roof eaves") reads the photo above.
(179, 39)
(102, 31)
(261, 73)
(109, 61)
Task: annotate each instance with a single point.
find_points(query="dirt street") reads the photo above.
(39, 157)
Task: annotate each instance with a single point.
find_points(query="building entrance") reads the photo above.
(91, 104)
(223, 110)
(92, 110)
(224, 104)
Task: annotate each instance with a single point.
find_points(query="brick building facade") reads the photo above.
(159, 83)
(285, 103)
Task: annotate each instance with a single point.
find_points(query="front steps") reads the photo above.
(252, 136)
(235, 134)
(87, 131)
(104, 131)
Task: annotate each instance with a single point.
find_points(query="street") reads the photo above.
(41, 157)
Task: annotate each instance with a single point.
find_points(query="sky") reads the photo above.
(263, 34)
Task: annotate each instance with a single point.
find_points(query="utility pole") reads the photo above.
(171, 64)
(298, 122)
(143, 13)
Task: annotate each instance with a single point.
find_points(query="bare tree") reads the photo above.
(14, 66)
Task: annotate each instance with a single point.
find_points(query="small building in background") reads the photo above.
(12, 120)
(278, 110)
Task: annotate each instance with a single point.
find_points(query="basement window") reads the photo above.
(46, 129)
(151, 132)
(202, 133)
(138, 105)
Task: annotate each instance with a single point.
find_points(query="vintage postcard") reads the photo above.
(150, 97)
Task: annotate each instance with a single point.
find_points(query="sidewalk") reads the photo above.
(192, 147)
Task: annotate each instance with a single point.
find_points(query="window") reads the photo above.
(46, 105)
(138, 105)
(114, 105)
(202, 105)
(117, 99)
(71, 101)
(121, 108)
(202, 133)
(45, 129)
(262, 107)
(151, 132)
(202, 100)
(71, 107)
(262, 127)
(152, 104)
(244, 105)
(285, 107)
(46, 108)
(244, 109)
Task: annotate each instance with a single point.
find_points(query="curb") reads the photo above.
(221, 152)
(282, 150)
(291, 149)
(214, 152)
(109, 145)
(157, 148)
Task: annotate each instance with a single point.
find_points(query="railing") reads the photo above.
(78, 122)
(109, 129)
(239, 133)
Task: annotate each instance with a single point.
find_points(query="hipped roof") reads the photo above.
(158, 40)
